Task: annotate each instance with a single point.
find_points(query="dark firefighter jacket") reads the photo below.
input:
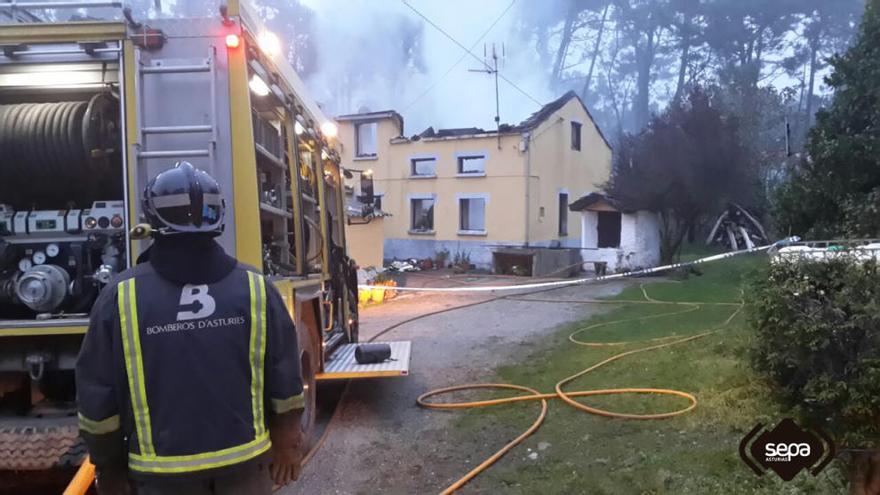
(178, 379)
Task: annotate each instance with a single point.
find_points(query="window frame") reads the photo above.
(462, 156)
(357, 140)
(562, 220)
(460, 199)
(422, 158)
(577, 130)
(412, 214)
(377, 200)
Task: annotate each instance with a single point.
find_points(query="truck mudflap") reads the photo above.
(38, 448)
(343, 365)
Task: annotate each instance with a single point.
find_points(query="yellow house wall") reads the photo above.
(365, 242)
(503, 186)
(556, 167)
(549, 162)
(386, 130)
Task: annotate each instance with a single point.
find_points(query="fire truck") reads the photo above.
(94, 101)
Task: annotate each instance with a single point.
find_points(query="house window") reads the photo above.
(423, 167)
(422, 215)
(563, 214)
(608, 229)
(472, 214)
(377, 202)
(576, 136)
(472, 164)
(365, 139)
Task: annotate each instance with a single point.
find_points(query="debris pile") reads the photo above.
(737, 229)
(410, 265)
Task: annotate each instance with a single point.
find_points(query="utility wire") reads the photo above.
(478, 59)
(460, 59)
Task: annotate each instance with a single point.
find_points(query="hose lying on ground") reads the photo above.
(567, 397)
(535, 395)
(531, 394)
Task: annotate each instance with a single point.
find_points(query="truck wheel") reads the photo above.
(37, 445)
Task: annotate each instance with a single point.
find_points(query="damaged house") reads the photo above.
(472, 192)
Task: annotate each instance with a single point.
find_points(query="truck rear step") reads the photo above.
(342, 365)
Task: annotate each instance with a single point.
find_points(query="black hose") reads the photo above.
(61, 147)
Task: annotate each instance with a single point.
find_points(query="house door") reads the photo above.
(608, 229)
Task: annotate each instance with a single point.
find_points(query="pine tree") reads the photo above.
(837, 190)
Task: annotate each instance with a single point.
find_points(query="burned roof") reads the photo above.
(460, 131)
(526, 125)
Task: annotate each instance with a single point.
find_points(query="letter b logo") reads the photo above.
(197, 300)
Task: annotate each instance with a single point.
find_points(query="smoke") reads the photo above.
(380, 55)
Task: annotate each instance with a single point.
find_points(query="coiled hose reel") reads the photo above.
(65, 146)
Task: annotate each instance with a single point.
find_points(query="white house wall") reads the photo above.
(647, 239)
(639, 242)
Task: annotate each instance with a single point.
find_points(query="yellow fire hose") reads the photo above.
(568, 397)
(82, 480)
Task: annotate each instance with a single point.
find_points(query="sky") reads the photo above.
(461, 98)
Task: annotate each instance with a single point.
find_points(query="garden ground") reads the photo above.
(575, 452)
(381, 442)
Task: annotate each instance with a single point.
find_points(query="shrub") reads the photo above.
(818, 341)
(440, 257)
(462, 260)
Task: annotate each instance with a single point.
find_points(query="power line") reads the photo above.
(478, 59)
(460, 59)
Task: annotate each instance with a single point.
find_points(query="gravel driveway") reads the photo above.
(381, 441)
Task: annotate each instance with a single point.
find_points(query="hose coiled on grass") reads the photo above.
(531, 394)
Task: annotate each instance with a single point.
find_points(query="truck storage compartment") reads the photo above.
(62, 210)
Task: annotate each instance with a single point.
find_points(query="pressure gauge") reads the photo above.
(39, 258)
(52, 250)
(25, 264)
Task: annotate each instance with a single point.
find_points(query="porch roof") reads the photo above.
(598, 202)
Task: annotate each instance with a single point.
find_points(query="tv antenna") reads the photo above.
(490, 66)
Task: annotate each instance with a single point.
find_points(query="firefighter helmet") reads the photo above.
(184, 199)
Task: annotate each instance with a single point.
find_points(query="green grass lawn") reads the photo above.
(693, 453)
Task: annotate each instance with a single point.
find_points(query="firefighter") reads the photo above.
(188, 381)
